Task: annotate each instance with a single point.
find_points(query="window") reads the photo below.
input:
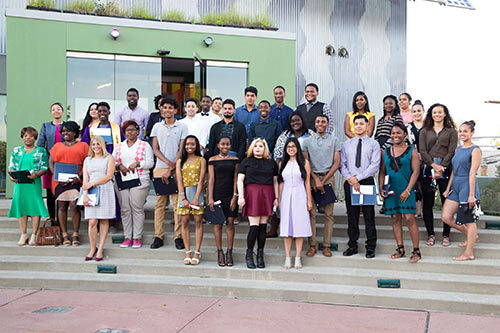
(227, 80)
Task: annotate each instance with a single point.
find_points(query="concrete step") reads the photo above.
(488, 285)
(429, 264)
(384, 246)
(260, 289)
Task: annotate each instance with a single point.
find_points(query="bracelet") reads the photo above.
(407, 191)
(181, 193)
(235, 194)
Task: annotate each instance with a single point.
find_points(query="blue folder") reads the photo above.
(190, 192)
(64, 168)
(323, 199)
(364, 199)
(91, 192)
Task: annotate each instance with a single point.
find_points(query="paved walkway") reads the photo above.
(127, 312)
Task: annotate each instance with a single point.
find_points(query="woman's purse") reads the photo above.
(48, 235)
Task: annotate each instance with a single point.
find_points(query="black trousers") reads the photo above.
(51, 204)
(353, 218)
(428, 203)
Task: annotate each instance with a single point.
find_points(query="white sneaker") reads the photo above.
(298, 263)
(288, 262)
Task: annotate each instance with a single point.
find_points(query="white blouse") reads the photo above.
(128, 155)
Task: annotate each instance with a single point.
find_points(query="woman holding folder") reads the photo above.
(65, 163)
(402, 165)
(222, 186)
(98, 170)
(27, 199)
(190, 174)
(133, 159)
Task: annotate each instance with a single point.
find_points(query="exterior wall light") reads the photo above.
(208, 41)
(162, 52)
(114, 33)
(330, 50)
(343, 52)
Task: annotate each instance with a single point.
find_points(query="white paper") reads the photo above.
(366, 189)
(92, 200)
(129, 176)
(65, 177)
(101, 131)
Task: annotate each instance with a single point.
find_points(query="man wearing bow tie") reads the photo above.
(207, 118)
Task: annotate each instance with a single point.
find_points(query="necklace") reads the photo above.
(223, 157)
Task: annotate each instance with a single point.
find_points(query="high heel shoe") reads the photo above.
(187, 260)
(196, 261)
(90, 258)
(298, 263)
(23, 240)
(32, 241)
(288, 262)
(229, 257)
(100, 258)
(220, 258)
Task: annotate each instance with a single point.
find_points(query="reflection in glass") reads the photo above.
(227, 82)
(3, 142)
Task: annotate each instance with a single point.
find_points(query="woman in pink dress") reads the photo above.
(294, 200)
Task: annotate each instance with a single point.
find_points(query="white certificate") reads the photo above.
(101, 131)
(364, 189)
(66, 177)
(130, 176)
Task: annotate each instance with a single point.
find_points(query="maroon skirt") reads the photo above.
(259, 200)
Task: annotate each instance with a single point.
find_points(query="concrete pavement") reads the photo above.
(132, 312)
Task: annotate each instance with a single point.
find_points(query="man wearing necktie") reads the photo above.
(359, 161)
(313, 108)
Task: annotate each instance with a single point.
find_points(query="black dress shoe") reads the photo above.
(179, 243)
(370, 253)
(157, 243)
(350, 251)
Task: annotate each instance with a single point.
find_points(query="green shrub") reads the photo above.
(82, 6)
(141, 12)
(42, 3)
(233, 18)
(109, 7)
(490, 196)
(175, 15)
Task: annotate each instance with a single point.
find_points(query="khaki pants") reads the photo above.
(132, 207)
(328, 229)
(161, 203)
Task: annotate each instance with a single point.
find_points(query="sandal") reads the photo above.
(75, 240)
(220, 258)
(196, 261)
(66, 241)
(187, 260)
(431, 240)
(400, 252)
(415, 256)
(229, 257)
(446, 241)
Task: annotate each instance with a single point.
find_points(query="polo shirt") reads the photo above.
(168, 138)
(321, 151)
(281, 114)
(269, 129)
(247, 118)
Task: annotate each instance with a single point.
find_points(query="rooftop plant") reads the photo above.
(175, 15)
(42, 3)
(233, 18)
(109, 7)
(82, 6)
(141, 12)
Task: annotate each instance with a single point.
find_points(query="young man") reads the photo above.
(313, 108)
(207, 118)
(249, 112)
(231, 128)
(265, 127)
(279, 111)
(359, 161)
(217, 107)
(323, 152)
(168, 138)
(110, 132)
(194, 122)
(133, 111)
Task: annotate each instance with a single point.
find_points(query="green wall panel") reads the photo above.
(36, 61)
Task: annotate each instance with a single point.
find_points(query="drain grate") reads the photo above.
(110, 330)
(54, 309)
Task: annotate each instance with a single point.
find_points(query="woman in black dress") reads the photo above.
(222, 181)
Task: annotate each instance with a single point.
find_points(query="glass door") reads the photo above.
(200, 77)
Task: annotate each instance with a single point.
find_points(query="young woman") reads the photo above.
(190, 173)
(463, 188)
(98, 170)
(414, 128)
(27, 199)
(296, 128)
(91, 117)
(50, 134)
(402, 164)
(222, 185)
(295, 200)
(437, 144)
(66, 193)
(133, 156)
(359, 106)
(258, 195)
(404, 106)
(385, 124)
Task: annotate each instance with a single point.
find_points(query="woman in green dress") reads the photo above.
(402, 165)
(27, 200)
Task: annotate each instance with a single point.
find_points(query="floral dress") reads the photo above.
(190, 178)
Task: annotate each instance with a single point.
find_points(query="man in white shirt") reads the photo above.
(207, 118)
(193, 122)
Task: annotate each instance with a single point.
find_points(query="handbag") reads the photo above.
(48, 235)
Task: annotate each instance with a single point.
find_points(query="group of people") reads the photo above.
(268, 160)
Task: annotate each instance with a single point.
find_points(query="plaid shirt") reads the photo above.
(40, 159)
